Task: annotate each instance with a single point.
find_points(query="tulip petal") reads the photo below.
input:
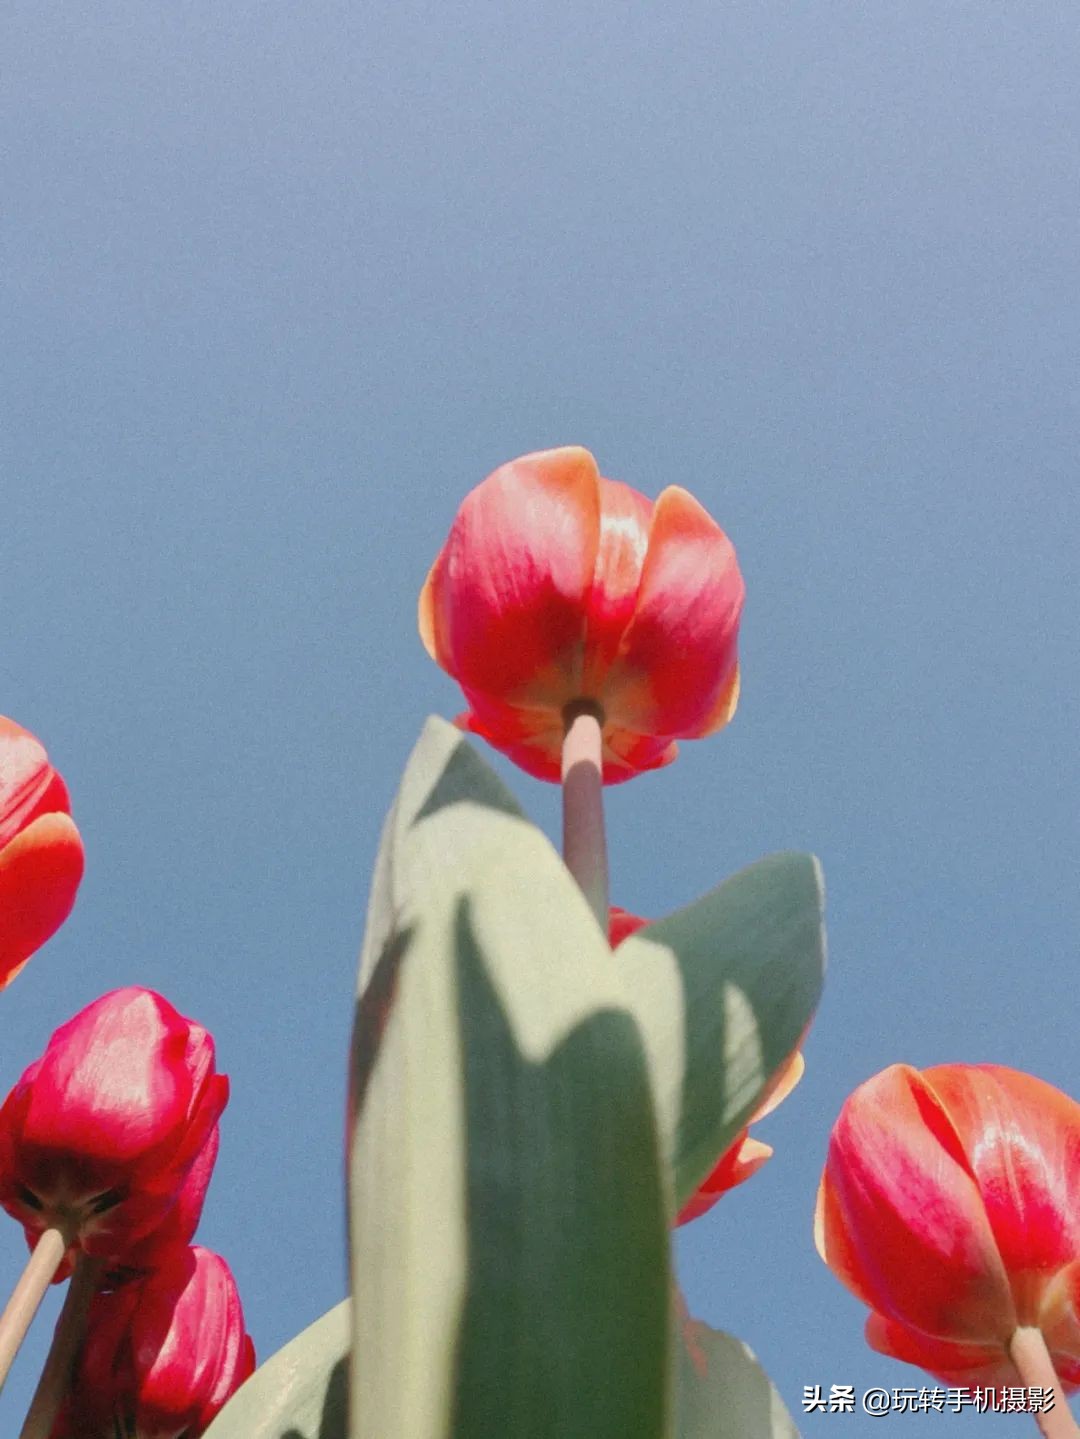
(624, 541)
(187, 1329)
(726, 703)
(627, 754)
(622, 924)
(900, 1219)
(163, 1354)
(736, 1165)
(532, 739)
(1022, 1140)
(1059, 1320)
(780, 1086)
(503, 608)
(122, 1061)
(675, 670)
(960, 1365)
(180, 1222)
(40, 870)
(29, 786)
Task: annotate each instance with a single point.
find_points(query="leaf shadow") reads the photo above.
(465, 779)
(334, 1418)
(549, 1247)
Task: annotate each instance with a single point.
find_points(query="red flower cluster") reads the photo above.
(110, 1137)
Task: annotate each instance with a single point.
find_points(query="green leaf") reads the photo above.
(297, 1394)
(507, 1209)
(723, 991)
(722, 1390)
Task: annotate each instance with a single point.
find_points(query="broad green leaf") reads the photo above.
(723, 991)
(722, 1391)
(297, 1394)
(507, 1207)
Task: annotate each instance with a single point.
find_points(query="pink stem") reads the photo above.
(584, 841)
(70, 1329)
(1028, 1351)
(28, 1293)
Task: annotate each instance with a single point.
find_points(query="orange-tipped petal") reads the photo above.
(727, 702)
(675, 672)
(40, 870)
(29, 786)
(503, 608)
(736, 1165)
(900, 1218)
(780, 1086)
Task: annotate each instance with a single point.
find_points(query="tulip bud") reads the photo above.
(102, 1133)
(161, 1356)
(948, 1206)
(41, 853)
(557, 586)
(744, 1156)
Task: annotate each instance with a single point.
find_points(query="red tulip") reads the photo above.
(161, 1356)
(744, 1156)
(101, 1134)
(41, 854)
(949, 1206)
(556, 586)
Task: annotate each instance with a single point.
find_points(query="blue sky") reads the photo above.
(281, 283)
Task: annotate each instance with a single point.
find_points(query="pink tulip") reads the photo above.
(162, 1356)
(557, 586)
(101, 1134)
(949, 1206)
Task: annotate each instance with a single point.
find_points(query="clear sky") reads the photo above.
(282, 282)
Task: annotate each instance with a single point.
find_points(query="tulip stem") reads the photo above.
(584, 841)
(70, 1328)
(44, 1261)
(1028, 1351)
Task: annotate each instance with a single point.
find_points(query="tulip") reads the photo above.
(949, 1206)
(41, 854)
(744, 1156)
(161, 1356)
(557, 588)
(102, 1133)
